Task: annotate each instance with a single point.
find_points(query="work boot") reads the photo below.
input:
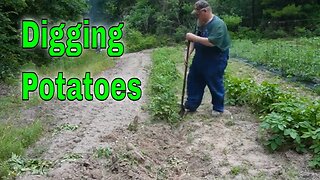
(216, 113)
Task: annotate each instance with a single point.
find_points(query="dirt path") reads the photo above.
(202, 147)
(94, 120)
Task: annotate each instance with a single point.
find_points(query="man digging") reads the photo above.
(211, 43)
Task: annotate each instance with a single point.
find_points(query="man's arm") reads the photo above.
(191, 48)
(202, 40)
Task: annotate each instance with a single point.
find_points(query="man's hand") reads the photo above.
(191, 37)
(202, 40)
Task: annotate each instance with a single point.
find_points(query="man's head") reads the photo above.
(202, 10)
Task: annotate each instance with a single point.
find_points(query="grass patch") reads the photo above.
(14, 140)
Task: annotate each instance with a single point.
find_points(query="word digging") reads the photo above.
(32, 33)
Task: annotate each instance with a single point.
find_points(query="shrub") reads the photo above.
(136, 41)
(232, 21)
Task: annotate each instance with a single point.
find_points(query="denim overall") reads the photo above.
(207, 68)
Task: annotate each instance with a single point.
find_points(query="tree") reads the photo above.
(12, 56)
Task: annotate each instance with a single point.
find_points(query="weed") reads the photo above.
(71, 157)
(161, 173)
(175, 162)
(206, 157)
(17, 165)
(65, 127)
(103, 152)
(163, 80)
(230, 123)
(212, 147)
(190, 138)
(235, 170)
(127, 157)
(260, 176)
(133, 126)
(225, 151)
(224, 163)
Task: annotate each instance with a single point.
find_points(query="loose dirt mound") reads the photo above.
(88, 120)
(201, 148)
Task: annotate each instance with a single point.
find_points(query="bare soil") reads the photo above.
(201, 147)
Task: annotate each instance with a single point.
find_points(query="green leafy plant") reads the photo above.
(71, 157)
(103, 152)
(18, 165)
(65, 127)
(315, 162)
(288, 120)
(284, 55)
(163, 80)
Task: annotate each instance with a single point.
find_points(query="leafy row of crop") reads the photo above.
(288, 121)
(162, 86)
(299, 57)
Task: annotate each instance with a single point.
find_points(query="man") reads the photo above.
(211, 43)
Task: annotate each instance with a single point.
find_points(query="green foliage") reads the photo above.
(135, 41)
(56, 10)
(163, 80)
(65, 127)
(290, 10)
(160, 17)
(11, 12)
(235, 170)
(246, 33)
(237, 90)
(13, 140)
(293, 58)
(116, 10)
(232, 22)
(103, 152)
(140, 17)
(23, 137)
(70, 157)
(315, 162)
(288, 120)
(264, 96)
(179, 35)
(17, 165)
